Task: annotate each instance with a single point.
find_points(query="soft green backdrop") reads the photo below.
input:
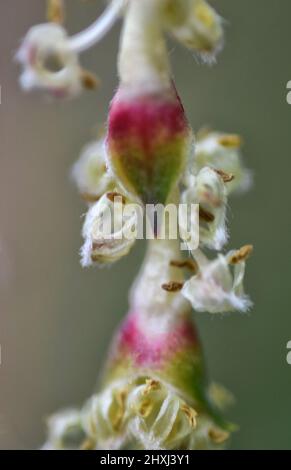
(55, 319)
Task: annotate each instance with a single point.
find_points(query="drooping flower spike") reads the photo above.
(214, 288)
(154, 392)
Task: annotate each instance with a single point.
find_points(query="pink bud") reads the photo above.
(148, 142)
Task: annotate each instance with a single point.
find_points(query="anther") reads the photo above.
(226, 177)
(55, 11)
(188, 264)
(173, 286)
(241, 255)
(205, 215)
(230, 141)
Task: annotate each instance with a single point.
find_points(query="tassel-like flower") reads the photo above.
(154, 393)
(209, 191)
(110, 230)
(215, 288)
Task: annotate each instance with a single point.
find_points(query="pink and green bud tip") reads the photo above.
(148, 142)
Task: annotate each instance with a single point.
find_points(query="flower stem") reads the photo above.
(143, 58)
(94, 33)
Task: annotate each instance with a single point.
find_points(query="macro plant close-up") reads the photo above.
(151, 111)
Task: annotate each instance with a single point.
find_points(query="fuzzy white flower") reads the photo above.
(147, 414)
(208, 190)
(215, 288)
(90, 172)
(110, 230)
(65, 431)
(196, 25)
(49, 63)
(160, 419)
(222, 151)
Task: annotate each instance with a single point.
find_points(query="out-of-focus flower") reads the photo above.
(155, 392)
(222, 152)
(90, 172)
(49, 63)
(215, 288)
(209, 191)
(196, 25)
(50, 58)
(65, 431)
(110, 230)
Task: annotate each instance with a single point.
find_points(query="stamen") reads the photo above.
(188, 264)
(90, 36)
(173, 286)
(241, 255)
(55, 11)
(226, 177)
(89, 80)
(191, 415)
(205, 215)
(145, 408)
(119, 414)
(230, 140)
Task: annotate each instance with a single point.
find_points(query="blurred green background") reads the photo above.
(56, 320)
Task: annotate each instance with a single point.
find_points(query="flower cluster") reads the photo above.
(155, 392)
